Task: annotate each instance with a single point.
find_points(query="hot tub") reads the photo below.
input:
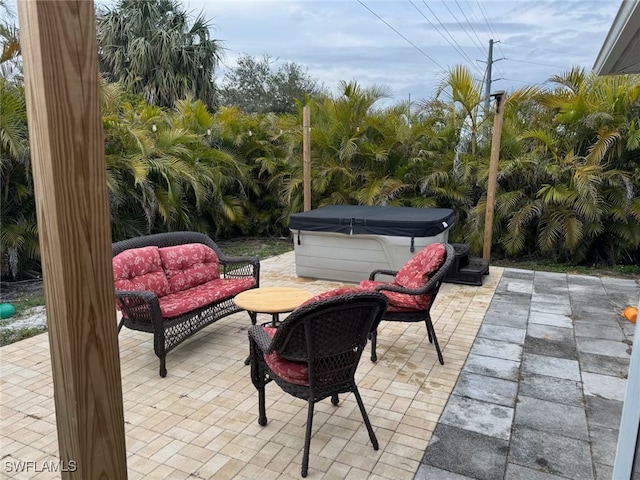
(347, 242)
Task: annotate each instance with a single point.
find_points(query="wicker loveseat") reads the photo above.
(174, 284)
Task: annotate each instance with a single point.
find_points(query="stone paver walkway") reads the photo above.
(540, 395)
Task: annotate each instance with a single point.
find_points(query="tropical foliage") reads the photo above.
(152, 48)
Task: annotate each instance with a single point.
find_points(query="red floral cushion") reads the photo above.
(292, 372)
(179, 303)
(399, 302)
(332, 293)
(415, 273)
(140, 269)
(189, 265)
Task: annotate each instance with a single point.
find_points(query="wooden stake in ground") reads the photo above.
(493, 174)
(58, 41)
(306, 157)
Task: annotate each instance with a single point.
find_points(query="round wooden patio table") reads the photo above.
(273, 300)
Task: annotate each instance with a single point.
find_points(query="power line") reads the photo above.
(536, 63)
(469, 23)
(455, 46)
(401, 35)
(485, 15)
(526, 83)
(445, 28)
(460, 24)
(529, 47)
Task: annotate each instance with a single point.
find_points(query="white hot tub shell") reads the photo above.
(346, 243)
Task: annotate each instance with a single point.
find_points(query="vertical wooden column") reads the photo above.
(493, 174)
(58, 41)
(306, 157)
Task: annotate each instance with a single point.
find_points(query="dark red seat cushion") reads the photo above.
(292, 372)
(399, 302)
(181, 302)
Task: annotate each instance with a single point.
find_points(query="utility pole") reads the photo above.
(306, 157)
(487, 90)
(493, 174)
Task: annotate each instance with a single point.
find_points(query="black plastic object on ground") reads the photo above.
(466, 270)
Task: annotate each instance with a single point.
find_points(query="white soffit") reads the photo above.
(620, 52)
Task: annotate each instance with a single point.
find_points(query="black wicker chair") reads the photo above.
(430, 289)
(141, 310)
(323, 340)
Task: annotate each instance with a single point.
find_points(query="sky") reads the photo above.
(408, 45)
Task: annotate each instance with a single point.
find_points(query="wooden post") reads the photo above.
(58, 41)
(493, 173)
(306, 157)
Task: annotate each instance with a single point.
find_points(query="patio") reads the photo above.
(200, 421)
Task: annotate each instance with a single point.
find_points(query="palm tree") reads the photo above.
(150, 47)
(19, 236)
(10, 61)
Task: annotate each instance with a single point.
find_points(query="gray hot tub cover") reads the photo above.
(375, 220)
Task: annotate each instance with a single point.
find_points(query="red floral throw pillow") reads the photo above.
(189, 265)
(140, 269)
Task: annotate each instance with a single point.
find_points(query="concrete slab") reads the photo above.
(518, 319)
(543, 318)
(478, 416)
(551, 417)
(585, 280)
(593, 312)
(520, 298)
(487, 389)
(603, 472)
(492, 367)
(603, 347)
(550, 288)
(552, 389)
(604, 365)
(590, 298)
(550, 366)
(628, 329)
(427, 472)
(551, 453)
(508, 308)
(515, 286)
(603, 412)
(518, 472)
(603, 445)
(555, 298)
(499, 332)
(593, 330)
(518, 273)
(563, 308)
(574, 360)
(604, 386)
(548, 277)
(467, 453)
(497, 348)
(550, 341)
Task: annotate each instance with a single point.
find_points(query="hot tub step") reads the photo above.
(470, 274)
